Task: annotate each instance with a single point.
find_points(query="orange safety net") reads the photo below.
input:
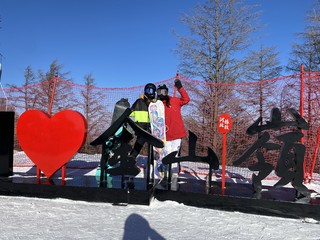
(244, 102)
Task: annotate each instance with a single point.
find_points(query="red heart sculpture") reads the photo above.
(50, 142)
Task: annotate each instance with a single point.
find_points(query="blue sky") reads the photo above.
(122, 43)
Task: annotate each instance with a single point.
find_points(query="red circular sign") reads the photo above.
(224, 123)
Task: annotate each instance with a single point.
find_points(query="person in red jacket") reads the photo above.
(175, 129)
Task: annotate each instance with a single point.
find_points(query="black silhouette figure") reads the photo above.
(116, 147)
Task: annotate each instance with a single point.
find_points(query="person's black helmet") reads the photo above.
(162, 91)
(162, 86)
(150, 91)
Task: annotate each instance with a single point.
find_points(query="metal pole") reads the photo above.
(301, 91)
(301, 110)
(224, 156)
(52, 94)
(4, 93)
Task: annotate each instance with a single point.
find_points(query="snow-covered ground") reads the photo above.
(35, 218)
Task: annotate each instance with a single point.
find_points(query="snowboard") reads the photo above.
(158, 129)
(120, 113)
(119, 109)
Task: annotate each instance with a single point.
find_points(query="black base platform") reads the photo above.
(239, 197)
(84, 189)
(194, 192)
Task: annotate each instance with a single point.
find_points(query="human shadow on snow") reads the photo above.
(137, 228)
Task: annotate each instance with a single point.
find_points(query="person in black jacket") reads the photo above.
(140, 115)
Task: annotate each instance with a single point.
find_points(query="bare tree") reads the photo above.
(263, 65)
(24, 97)
(92, 105)
(53, 90)
(307, 50)
(220, 29)
(28, 94)
(304, 53)
(219, 32)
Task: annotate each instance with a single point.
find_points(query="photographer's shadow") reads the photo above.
(137, 228)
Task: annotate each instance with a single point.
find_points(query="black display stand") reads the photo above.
(6, 143)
